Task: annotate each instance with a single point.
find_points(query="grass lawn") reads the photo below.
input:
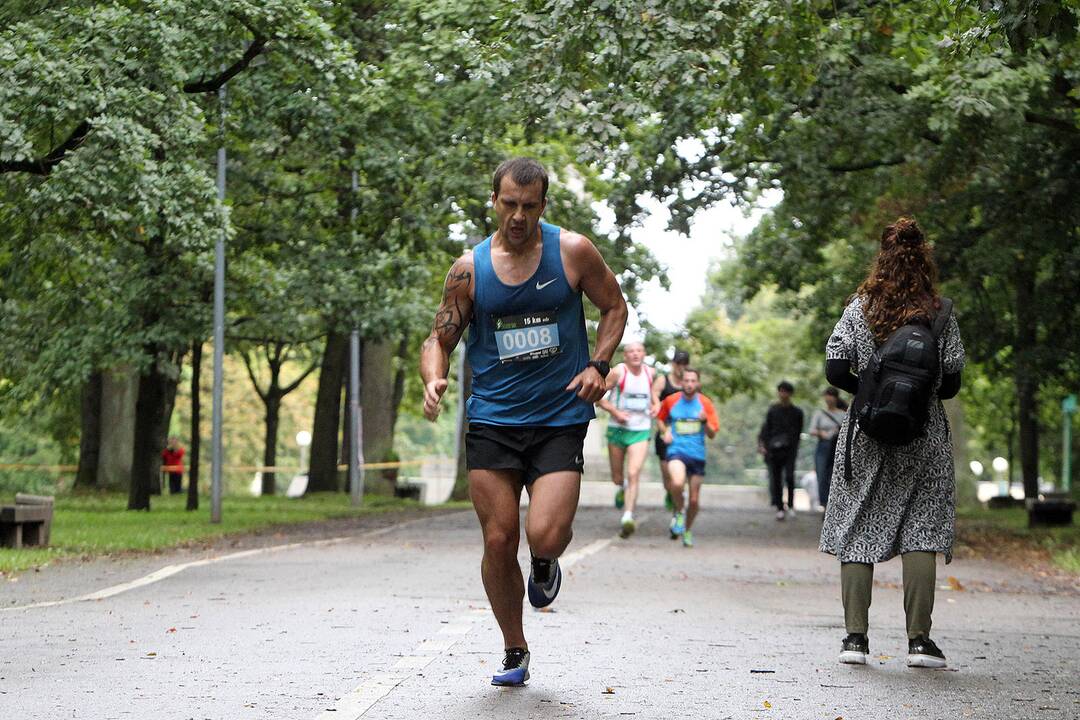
(1006, 532)
(96, 524)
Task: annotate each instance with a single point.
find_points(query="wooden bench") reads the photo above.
(27, 523)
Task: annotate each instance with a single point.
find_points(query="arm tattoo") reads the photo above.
(450, 318)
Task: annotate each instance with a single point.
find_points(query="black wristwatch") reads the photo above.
(601, 366)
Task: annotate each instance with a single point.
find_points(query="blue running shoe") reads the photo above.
(515, 670)
(678, 524)
(544, 582)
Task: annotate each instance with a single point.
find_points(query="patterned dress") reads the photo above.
(900, 498)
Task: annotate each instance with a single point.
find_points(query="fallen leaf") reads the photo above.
(170, 630)
(955, 584)
(767, 704)
(151, 654)
(608, 691)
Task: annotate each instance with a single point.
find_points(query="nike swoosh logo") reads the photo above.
(549, 592)
(540, 286)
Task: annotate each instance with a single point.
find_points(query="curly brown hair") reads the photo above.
(901, 287)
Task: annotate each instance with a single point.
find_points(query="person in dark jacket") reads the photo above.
(778, 442)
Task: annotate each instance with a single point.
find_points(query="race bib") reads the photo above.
(527, 337)
(636, 402)
(687, 427)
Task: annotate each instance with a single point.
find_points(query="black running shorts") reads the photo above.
(531, 450)
(661, 447)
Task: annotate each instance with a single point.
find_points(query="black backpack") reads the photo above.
(893, 402)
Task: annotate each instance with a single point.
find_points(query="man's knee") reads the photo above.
(549, 540)
(501, 543)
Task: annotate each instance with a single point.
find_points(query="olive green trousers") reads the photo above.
(920, 578)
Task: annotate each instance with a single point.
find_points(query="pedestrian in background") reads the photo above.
(172, 462)
(825, 426)
(893, 486)
(778, 442)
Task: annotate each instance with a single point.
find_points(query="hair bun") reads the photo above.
(908, 231)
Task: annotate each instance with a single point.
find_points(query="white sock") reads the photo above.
(627, 516)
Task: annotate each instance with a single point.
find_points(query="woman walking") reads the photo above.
(825, 426)
(891, 499)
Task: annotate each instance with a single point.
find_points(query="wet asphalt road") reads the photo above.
(747, 624)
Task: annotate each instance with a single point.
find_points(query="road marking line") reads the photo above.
(591, 549)
(365, 696)
(170, 570)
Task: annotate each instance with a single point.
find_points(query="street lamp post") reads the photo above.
(219, 333)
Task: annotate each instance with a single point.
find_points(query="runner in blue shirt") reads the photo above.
(534, 383)
(685, 419)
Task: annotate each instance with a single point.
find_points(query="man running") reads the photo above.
(665, 386)
(533, 387)
(685, 419)
(630, 406)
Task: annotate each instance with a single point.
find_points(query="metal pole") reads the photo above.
(356, 479)
(356, 469)
(1068, 407)
(219, 332)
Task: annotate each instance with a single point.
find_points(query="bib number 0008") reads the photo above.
(527, 337)
(517, 340)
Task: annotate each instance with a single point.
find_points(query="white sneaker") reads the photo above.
(791, 512)
(780, 515)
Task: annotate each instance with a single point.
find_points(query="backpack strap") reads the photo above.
(847, 448)
(942, 319)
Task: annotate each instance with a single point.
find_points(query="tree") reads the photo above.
(966, 116)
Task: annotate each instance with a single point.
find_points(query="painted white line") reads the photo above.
(570, 559)
(360, 700)
(364, 697)
(170, 570)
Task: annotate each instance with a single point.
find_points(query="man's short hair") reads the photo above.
(523, 171)
(786, 387)
(693, 370)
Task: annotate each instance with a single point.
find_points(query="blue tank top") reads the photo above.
(526, 343)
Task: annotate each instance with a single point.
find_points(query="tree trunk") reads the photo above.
(119, 393)
(322, 474)
(196, 408)
(146, 459)
(1026, 392)
(273, 411)
(1027, 385)
(461, 480)
(172, 383)
(376, 396)
(399, 380)
(90, 433)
